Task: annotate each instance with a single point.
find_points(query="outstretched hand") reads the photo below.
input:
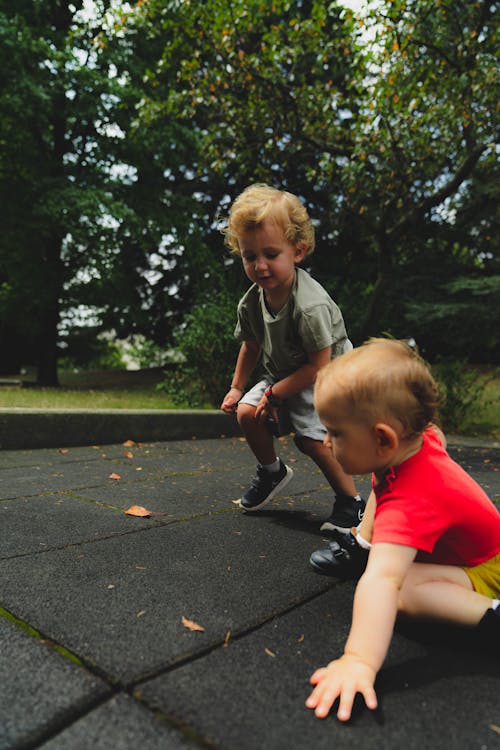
(342, 678)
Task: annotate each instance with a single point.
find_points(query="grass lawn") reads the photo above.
(102, 389)
(121, 389)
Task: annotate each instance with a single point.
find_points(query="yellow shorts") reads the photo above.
(485, 577)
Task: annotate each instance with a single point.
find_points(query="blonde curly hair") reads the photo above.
(260, 202)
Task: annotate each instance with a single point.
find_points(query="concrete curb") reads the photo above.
(55, 428)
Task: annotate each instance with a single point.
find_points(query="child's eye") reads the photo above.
(271, 256)
(248, 258)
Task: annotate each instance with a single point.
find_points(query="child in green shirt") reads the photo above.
(290, 325)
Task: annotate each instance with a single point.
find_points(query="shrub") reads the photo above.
(461, 389)
(209, 350)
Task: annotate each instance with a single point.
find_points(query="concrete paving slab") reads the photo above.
(119, 602)
(39, 687)
(37, 524)
(251, 693)
(482, 463)
(112, 590)
(120, 724)
(36, 480)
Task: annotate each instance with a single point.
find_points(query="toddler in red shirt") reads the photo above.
(436, 537)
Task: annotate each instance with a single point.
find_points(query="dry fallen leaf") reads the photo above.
(226, 639)
(128, 454)
(63, 450)
(269, 652)
(495, 728)
(300, 639)
(114, 476)
(138, 510)
(128, 444)
(191, 625)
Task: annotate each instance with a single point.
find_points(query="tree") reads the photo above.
(379, 124)
(427, 129)
(126, 133)
(90, 212)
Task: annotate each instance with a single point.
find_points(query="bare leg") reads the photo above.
(258, 437)
(341, 483)
(442, 592)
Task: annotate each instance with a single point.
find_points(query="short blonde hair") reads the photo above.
(260, 202)
(381, 379)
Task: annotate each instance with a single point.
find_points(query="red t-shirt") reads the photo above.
(430, 503)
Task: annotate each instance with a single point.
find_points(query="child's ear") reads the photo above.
(301, 249)
(387, 438)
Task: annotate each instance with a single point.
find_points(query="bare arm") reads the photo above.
(247, 359)
(374, 613)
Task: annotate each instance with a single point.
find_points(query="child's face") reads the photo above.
(269, 258)
(352, 442)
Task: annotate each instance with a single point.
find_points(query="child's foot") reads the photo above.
(265, 485)
(343, 557)
(347, 512)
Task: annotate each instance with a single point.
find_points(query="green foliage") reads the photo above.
(461, 389)
(126, 133)
(90, 210)
(209, 349)
(84, 348)
(458, 318)
(146, 353)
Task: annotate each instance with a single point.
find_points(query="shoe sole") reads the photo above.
(331, 527)
(288, 476)
(330, 571)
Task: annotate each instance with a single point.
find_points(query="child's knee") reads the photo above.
(245, 413)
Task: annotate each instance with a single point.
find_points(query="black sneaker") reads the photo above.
(489, 625)
(347, 512)
(343, 558)
(265, 485)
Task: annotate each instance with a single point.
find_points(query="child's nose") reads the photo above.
(260, 263)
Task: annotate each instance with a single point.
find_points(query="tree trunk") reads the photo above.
(374, 311)
(47, 353)
(51, 287)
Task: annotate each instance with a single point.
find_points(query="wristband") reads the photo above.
(268, 393)
(236, 388)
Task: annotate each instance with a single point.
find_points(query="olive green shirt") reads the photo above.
(310, 321)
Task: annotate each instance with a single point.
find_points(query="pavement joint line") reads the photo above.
(65, 720)
(181, 661)
(161, 520)
(181, 726)
(89, 666)
(73, 714)
(159, 523)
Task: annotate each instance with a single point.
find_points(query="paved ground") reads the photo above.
(93, 651)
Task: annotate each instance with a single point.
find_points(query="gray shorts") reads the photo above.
(296, 414)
